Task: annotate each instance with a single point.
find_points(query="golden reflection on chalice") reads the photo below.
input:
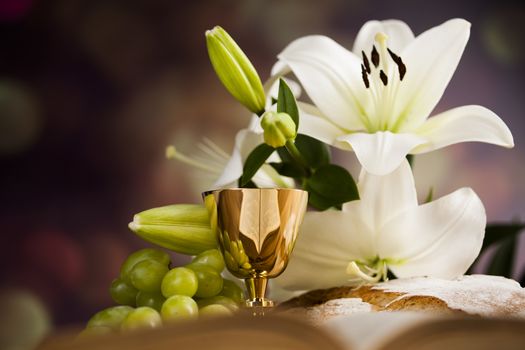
(256, 231)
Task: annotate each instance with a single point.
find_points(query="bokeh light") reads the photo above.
(19, 118)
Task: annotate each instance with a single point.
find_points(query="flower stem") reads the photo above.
(297, 157)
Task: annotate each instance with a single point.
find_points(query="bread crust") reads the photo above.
(480, 295)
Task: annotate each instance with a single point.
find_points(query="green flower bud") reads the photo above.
(235, 70)
(183, 228)
(278, 128)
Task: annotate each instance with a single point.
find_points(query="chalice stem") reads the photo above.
(256, 287)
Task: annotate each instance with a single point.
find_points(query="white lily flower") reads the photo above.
(387, 229)
(377, 99)
(245, 142)
(222, 169)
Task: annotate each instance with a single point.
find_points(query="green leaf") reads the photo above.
(249, 184)
(500, 231)
(501, 264)
(319, 202)
(314, 152)
(284, 155)
(331, 186)
(254, 161)
(286, 102)
(289, 169)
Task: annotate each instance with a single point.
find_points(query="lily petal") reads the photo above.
(431, 60)
(323, 67)
(279, 69)
(462, 124)
(312, 122)
(232, 170)
(385, 197)
(398, 32)
(382, 152)
(271, 86)
(245, 141)
(254, 125)
(440, 239)
(327, 242)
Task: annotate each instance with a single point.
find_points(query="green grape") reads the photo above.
(95, 331)
(141, 317)
(179, 281)
(138, 256)
(220, 300)
(209, 281)
(147, 275)
(151, 299)
(122, 292)
(111, 317)
(211, 258)
(232, 290)
(214, 310)
(179, 307)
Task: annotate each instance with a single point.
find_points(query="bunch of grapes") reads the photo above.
(150, 293)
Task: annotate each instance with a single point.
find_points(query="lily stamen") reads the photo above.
(381, 64)
(374, 55)
(172, 153)
(364, 75)
(402, 69)
(212, 149)
(370, 272)
(383, 87)
(381, 39)
(353, 270)
(366, 63)
(212, 160)
(383, 77)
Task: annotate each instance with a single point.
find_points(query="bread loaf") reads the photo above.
(488, 296)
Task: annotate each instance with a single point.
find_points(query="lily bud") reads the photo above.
(235, 70)
(183, 228)
(278, 128)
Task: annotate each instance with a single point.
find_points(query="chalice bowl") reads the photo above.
(256, 230)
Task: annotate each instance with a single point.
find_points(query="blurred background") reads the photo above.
(91, 93)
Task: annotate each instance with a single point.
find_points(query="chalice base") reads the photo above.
(258, 307)
(257, 304)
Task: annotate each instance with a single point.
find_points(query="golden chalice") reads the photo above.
(256, 231)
